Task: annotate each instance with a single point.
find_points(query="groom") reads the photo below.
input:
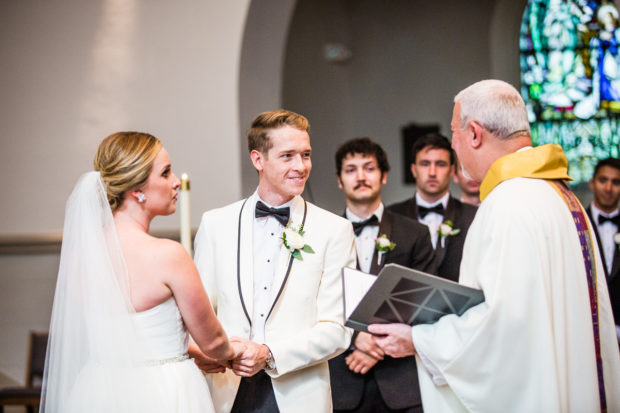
(282, 298)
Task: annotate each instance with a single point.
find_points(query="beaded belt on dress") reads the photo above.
(176, 359)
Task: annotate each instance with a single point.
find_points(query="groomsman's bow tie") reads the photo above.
(614, 220)
(359, 226)
(281, 214)
(423, 211)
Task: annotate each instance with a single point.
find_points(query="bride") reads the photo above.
(125, 300)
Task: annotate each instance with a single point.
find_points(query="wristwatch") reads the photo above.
(270, 363)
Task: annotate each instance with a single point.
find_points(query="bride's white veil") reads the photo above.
(95, 358)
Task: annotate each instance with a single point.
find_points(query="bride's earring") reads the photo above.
(141, 197)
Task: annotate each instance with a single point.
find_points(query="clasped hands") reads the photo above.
(249, 358)
(393, 340)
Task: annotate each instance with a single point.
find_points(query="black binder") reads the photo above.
(403, 295)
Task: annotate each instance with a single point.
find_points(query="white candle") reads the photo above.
(186, 230)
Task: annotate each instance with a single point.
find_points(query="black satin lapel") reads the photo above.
(239, 264)
(616, 260)
(385, 227)
(413, 209)
(615, 265)
(357, 260)
(449, 215)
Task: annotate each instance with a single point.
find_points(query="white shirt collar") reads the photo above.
(596, 212)
(443, 201)
(524, 148)
(354, 218)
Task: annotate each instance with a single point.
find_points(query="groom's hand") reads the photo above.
(252, 360)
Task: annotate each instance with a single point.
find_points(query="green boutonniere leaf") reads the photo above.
(307, 248)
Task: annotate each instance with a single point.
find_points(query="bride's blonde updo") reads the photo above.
(124, 160)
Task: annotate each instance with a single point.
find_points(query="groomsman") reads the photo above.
(271, 265)
(605, 217)
(470, 189)
(363, 379)
(432, 204)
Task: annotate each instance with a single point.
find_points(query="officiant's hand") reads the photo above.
(366, 343)
(360, 362)
(394, 339)
(252, 360)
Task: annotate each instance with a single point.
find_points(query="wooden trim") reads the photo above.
(50, 243)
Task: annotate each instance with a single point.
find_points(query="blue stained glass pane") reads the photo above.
(570, 78)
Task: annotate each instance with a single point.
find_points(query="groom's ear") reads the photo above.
(257, 159)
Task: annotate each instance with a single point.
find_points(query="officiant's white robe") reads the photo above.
(529, 347)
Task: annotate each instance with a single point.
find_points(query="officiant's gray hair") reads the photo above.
(258, 135)
(125, 160)
(495, 105)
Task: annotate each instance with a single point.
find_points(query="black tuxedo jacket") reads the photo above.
(448, 258)
(613, 277)
(397, 379)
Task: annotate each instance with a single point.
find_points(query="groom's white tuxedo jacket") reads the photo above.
(305, 327)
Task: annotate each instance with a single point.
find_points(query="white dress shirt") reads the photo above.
(606, 232)
(267, 243)
(432, 220)
(365, 241)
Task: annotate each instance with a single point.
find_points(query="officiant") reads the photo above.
(544, 339)
(362, 378)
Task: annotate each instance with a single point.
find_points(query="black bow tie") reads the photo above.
(614, 220)
(423, 211)
(359, 226)
(281, 214)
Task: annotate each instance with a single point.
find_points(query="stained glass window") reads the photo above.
(570, 79)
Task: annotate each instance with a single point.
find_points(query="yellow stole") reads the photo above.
(542, 162)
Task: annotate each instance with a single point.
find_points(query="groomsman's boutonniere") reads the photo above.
(446, 230)
(293, 240)
(383, 245)
(617, 239)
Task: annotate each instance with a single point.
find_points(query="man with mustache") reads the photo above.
(363, 379)
(272, 266)
(447, 218)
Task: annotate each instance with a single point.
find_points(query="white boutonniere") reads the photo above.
(617, 239)
(383, 245)
(446, 229)
(293, 240)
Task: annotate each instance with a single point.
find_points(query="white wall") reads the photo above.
(409, 60)
(74, 71)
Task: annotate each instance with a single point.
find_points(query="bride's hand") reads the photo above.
(206, 363)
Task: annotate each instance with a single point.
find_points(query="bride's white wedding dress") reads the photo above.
(169, 381)
(163, 329)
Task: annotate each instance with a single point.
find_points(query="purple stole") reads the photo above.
(585, 238)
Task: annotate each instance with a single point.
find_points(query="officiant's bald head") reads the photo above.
(489, 121)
